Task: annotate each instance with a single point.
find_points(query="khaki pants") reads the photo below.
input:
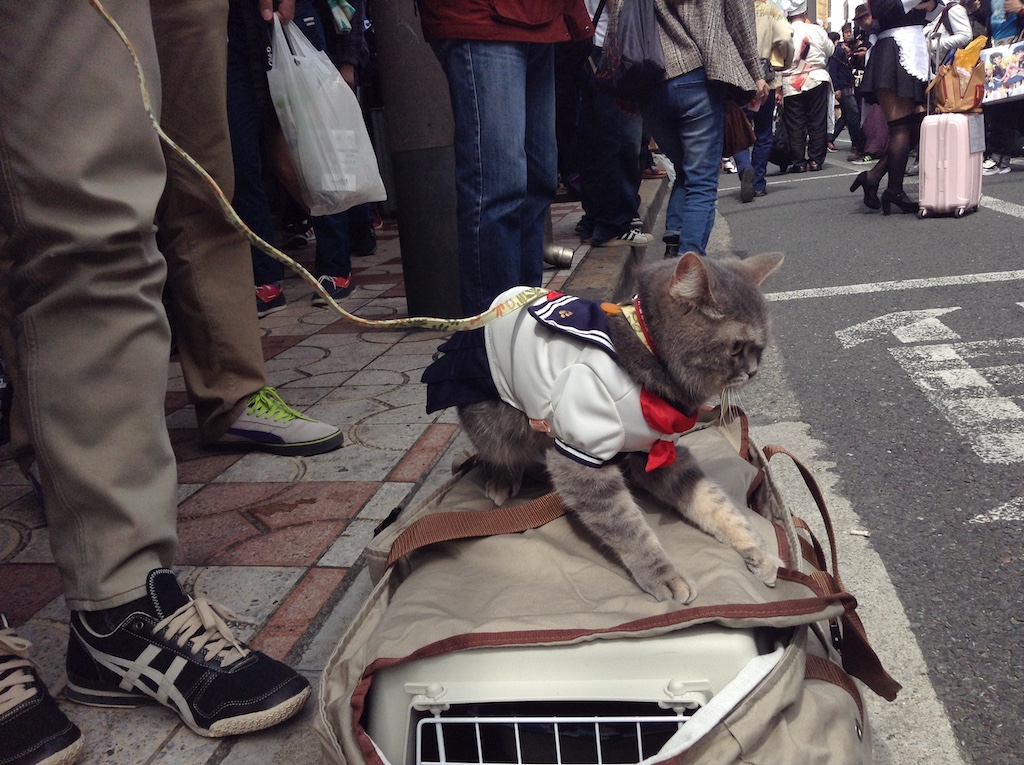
(83, 177)
(209, 281)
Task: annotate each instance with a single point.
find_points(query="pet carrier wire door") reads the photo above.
(602, 702)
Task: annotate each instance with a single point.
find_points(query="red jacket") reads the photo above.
(544, 21)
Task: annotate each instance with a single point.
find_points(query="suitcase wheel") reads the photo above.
(922, 212)
(960, 212)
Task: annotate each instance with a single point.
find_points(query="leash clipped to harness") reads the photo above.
(425, 322)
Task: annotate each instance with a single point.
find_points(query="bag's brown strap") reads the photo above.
(859, 658)
(819, 499)
(819, 668)
(442, 527)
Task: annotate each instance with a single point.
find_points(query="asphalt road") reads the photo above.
(899, 370)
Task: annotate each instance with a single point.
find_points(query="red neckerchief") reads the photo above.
(664, 418)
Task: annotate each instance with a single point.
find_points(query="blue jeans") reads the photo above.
(503, 102)
(609, 158)
(686, 118)
(757, 155)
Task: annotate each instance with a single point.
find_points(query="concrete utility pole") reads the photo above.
(420, 127)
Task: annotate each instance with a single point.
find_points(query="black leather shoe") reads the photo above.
(870, 190)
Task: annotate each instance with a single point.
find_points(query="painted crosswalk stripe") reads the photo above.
(960, 380)
(895, 286)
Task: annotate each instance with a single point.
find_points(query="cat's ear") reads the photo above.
(757, 268)
(690, 280)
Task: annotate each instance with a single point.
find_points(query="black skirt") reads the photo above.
(884, 72)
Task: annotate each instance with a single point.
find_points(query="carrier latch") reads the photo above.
(425, 697)
(686, 694)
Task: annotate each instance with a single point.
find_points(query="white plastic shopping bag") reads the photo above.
(323, 126)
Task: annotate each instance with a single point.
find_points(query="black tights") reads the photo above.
(904, 134)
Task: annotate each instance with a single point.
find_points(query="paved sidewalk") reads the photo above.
(279, 539)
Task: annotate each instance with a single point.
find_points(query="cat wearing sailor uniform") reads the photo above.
(599, 393)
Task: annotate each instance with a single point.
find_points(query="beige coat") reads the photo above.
(774, 40)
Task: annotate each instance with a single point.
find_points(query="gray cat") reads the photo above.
(598, 393)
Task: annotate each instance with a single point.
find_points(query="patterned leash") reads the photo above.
(448, 325)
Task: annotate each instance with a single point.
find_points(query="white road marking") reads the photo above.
(914, 729)
(896, 286)
(1008, 511)
(959, 379)
(907, 326)
(1009, 208)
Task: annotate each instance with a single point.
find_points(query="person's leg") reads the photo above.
(245, 112)
(609, 164)
(80, 190)
(209, 264)
(362, 239)
(487, 85)
(686, 119)
(818, 101)
(795, 116)
(764, 128)
(851, 113)
(903, 117)
(541, 163)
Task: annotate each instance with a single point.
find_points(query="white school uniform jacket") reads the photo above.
(554, 361)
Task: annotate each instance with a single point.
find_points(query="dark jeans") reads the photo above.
(247, 112)
(1003, 122)
(807, 123)
(609, 157)
(245, 121)
(757, 155)
(850, 119)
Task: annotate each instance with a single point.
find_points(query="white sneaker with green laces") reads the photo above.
(268, 424)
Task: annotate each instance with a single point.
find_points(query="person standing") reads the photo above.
(610, 138)
(807, 91)
(83, 174)
(706, 61)
(498, 58)
(841, 72)
(775, 47)
(895, 78)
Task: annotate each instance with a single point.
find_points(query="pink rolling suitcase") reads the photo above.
(950, 164)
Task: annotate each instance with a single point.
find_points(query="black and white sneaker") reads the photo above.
(169, 649)
(634, 237)
(33, 729)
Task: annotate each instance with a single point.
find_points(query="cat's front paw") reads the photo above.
(765, 566)
(671, 586)
(499, 491)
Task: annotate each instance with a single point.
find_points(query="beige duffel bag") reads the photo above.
(500, 635)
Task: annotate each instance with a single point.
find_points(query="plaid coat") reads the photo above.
(718, 35)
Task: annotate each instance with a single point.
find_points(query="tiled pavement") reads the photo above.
(277, 539)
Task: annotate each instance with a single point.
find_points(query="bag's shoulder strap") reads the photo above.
(859, 658)
(443, 527)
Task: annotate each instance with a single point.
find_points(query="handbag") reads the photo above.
(780, 154)
(632, 64)
(952, 92)
(739, 133)
(322, 125)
